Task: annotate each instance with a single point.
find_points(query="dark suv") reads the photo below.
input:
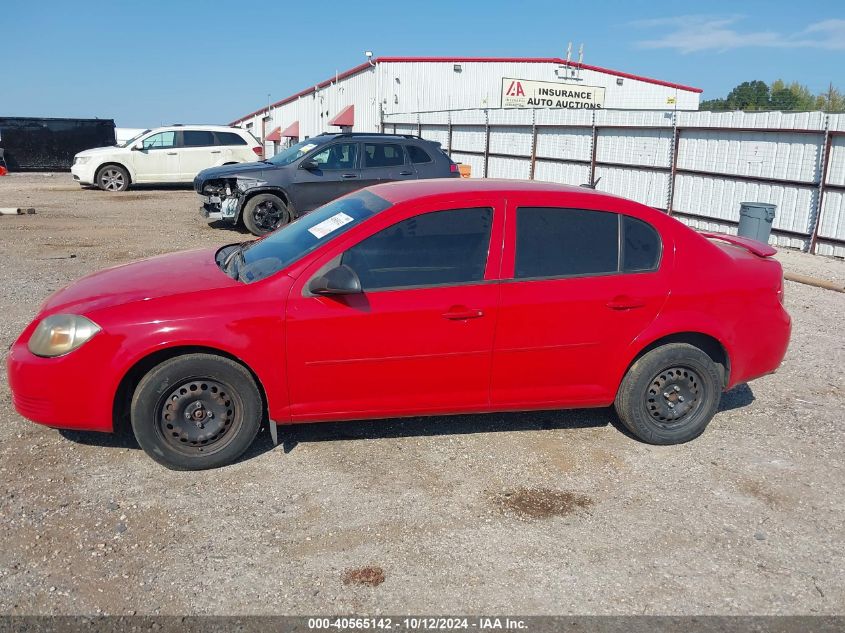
(271, 193)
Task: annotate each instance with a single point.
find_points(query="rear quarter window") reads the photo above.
(641, 245)
(230, 138)
(417, 154)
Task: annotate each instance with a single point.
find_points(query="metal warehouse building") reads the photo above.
(358, 99)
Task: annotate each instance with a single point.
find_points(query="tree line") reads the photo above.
(758, 95)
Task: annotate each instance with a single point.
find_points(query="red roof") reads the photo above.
(459, 60)
(344, 117)
(292, 131)
(402, 191)
(274, 135)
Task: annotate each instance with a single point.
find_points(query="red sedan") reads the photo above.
(414, 298)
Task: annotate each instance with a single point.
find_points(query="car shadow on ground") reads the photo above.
(228, 226)
(294, 434)
(738, 397)
(163, 186)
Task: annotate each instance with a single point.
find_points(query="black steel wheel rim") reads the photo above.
(268, 215)
(674, 396)
(199, 416)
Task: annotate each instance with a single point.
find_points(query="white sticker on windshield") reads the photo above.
(332, 224)
(307, 148)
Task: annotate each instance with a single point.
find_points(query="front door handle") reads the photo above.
(406, 173)
(624, 302)
(171, 153)
(215, 151)
(459, 313)
(348, 176)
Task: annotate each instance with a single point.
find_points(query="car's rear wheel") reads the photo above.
(196, 411)
(670, 394)
(112, 178)
(264, 213)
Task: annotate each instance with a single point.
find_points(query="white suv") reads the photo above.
(174, 153)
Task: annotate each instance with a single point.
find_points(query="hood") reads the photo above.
(253, 170)
(153, 278)
(101, 150)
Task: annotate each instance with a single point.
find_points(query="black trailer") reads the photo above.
(34, 144)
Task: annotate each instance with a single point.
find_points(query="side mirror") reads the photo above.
(136, 147)
(310, 165)
(341, 280)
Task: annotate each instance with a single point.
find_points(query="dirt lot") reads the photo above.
(542, 513)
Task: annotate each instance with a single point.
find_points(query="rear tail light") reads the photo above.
(259, 151)
(453, 168)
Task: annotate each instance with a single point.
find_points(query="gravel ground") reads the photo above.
(541, 513)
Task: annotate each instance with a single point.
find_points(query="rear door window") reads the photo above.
(555, 242)
(558, 242)
(197, 138)
(383, 155)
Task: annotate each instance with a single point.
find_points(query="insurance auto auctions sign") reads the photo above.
(522, 93)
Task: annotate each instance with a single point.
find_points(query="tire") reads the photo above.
(265, 213)
(670, 394)
(196, 411)
(112, 178)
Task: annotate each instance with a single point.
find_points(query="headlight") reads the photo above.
(81, 160)
(60, 334)
(249, 183)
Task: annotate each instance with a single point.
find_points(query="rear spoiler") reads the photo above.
(758, 248)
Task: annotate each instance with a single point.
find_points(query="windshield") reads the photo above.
(293, 153)
(132, 140)
(262, 258)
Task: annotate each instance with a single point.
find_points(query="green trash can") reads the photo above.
(755, 220)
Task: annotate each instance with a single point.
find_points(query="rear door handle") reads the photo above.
(171, 153)
(624, 302)
(348, 176)
(459, 313)
(215, 151)
(406, 173)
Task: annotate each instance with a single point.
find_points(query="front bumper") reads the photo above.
(66, 392)
(83, 174)
(226, 209)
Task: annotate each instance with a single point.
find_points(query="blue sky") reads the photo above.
(148, 62)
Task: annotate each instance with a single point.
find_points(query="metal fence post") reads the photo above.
(673, 150)
(594, 143)
(825, 161)
(533, 145)
(449, 136)
(486, 141)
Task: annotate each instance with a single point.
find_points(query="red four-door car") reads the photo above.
(413, 298)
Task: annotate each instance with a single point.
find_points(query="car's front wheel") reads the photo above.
(196, 411)
(670, 394)
(264, 213)
(112, 178)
